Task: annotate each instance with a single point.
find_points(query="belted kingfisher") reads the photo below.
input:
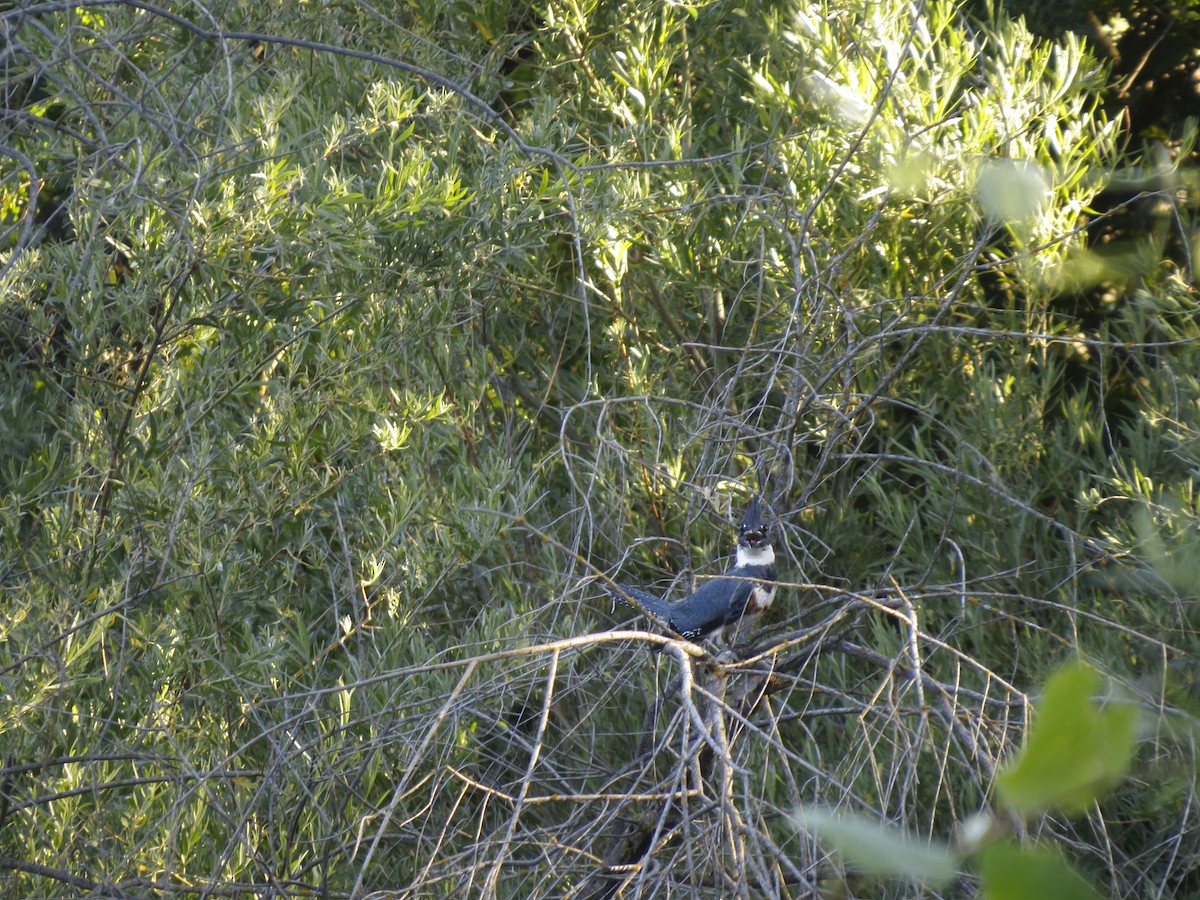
(746, 589)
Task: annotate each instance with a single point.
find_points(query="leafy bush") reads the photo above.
(348, 348)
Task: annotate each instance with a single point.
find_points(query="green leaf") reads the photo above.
(1010, 872)
(879, 849)
(1076, 749)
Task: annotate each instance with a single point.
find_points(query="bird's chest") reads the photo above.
(761, 597)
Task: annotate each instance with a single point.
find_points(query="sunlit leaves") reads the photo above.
(1076, 749)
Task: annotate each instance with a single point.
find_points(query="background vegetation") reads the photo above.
(347, 348)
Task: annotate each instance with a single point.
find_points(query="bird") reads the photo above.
(746, 589)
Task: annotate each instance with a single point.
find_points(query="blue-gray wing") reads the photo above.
(717, 603)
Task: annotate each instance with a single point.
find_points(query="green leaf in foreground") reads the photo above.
(879, 849)
(1010, 872)
(1076, 748)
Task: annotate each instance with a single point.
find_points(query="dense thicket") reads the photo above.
(348, 347)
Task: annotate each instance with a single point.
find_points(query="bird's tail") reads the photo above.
(656, 606)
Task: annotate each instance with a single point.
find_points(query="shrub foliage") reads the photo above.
(350, 348)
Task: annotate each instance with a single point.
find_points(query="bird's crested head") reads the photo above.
(754, 532)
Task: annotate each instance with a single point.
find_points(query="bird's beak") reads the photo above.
(755, 538)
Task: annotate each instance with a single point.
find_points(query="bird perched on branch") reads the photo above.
(746, 589)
